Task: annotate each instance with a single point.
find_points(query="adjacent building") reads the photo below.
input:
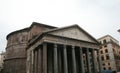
(42, 48)
(2, 58)
(110, 53)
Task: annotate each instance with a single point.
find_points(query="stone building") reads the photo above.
(2, 58)
(110, 53)
(41, 48)
(15, 61)
(61, 50)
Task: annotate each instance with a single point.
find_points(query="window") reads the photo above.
(103, 64)
(101, 52)
(109, 68)
(104, 68)
(113, 50)
(104, 41)
(106, 51)
(100, 47)
(105, 46)
(108, 63)
(100, 42)
(107, 57)
(102, 58)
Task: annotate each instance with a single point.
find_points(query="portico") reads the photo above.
(54, 53)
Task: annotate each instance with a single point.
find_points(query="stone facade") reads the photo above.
(110, 53)
(63, 50)
(2, 58)
(15, 61)
(17, 42)
(42, 48)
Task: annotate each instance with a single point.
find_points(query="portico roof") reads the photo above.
(64, 31)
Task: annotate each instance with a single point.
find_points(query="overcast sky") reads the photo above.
(97, 17)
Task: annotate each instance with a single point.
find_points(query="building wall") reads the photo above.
(2, 58)
(37, 29)
(17, 43)
(108, 48)
(15, 66)
(116, 51)
(108, 38)
(74, 33)
(15, 61)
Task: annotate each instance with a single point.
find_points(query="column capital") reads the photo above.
(64, 46)
(87, 49)
(80, 47)
(93, 49)
(44, 43)
(55, 45)
(73, 46)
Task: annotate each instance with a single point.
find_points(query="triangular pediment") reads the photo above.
(74, 32)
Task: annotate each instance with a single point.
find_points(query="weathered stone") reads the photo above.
(32, 50)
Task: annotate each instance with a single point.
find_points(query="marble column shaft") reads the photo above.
(55, 59)
(94, 61)
(88, 60)
(65, 59)
(81, 61)
(74, 59)
(59, 61)
(39, 60)
(36, 61)
(99, 61)
(44, 57)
